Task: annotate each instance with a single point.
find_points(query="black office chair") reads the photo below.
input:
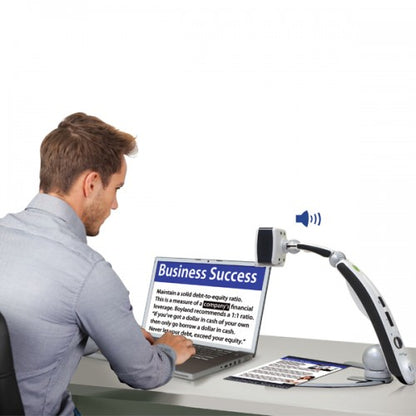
(10, 400)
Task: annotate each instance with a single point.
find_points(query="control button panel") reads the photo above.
(398, 342)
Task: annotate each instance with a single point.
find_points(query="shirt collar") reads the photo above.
(59, 208)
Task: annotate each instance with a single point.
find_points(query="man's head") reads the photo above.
(82, 162)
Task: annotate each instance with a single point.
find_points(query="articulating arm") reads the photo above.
(272, 247)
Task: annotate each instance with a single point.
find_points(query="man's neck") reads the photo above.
(71, 199)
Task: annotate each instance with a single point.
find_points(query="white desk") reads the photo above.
(95, 381)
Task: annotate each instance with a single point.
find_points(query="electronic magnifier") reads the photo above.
(272, 246)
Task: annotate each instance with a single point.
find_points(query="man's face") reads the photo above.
(103, 201)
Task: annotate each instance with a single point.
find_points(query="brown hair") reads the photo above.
(81, 142)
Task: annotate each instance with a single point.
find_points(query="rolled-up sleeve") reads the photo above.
(105, 314)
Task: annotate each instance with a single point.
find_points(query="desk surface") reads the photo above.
(95, 379)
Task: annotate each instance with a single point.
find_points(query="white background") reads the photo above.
(246, 114)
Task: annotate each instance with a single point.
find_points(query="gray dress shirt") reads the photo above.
(55, 292)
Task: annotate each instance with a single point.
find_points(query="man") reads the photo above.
(56, 292)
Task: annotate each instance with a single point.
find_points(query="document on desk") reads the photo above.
(287, 372)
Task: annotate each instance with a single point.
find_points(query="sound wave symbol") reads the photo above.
(315, 219)
(305, 218)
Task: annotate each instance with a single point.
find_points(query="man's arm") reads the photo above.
(105, 314)
(182, 346)
(91, 347)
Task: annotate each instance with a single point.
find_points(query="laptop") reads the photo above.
(217, 304)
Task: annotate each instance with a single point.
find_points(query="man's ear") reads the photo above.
(92, 182)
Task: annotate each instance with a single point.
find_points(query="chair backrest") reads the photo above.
(10, 400)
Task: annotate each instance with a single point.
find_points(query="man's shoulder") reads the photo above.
(86, 252)
(48, 233)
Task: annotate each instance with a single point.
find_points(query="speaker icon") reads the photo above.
(305, 218)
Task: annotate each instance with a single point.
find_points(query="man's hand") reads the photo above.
(182, 346)
(148, 336)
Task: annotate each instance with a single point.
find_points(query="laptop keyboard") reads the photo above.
(208, 353)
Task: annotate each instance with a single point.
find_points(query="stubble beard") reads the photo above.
(94, 217)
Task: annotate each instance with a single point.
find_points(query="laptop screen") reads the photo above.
(213, 302)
